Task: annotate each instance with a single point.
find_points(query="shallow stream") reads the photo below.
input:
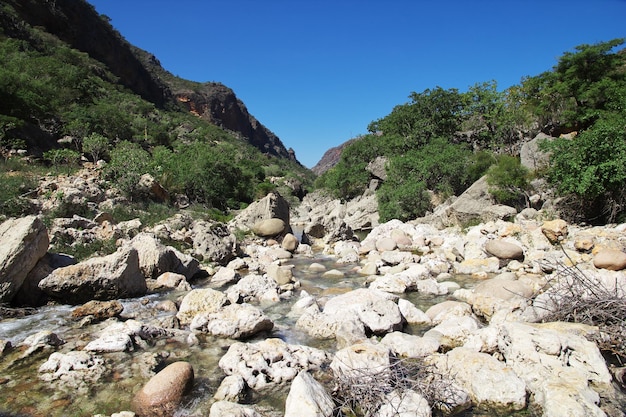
(22, 393)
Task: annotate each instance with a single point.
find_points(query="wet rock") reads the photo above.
(125, 336)
(231, 389)
(24, 242)
(253, 287)
(75, 370)
(488, 381)
(102, 278)
(163, 393)
(100, 310)
(333, 274)
(316, 267)
(230, 409)
(611, 259)
(235, 321)
(270, 361)
(43, 339)
(198, 301)
(308, 398)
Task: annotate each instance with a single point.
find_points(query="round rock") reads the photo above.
(612, 259)
(269, 227)
(504, 250)
(162, 394)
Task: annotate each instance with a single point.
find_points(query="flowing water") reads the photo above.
(23, 393)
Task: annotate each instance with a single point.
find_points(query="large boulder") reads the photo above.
(156, 258)
(565, 373)
(200, 301)
(308, 398)
(272, 206)
(101, 278)
(476, 204)
(161, 396)
(214, 242)
(531, 156)
(235, 321)
(269, 227)
(24, 242)
(488, 381)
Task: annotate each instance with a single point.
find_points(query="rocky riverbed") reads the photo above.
(426, 319)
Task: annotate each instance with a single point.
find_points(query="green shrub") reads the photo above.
(508, 180)
(15, 188)
(128, 163)
(66, 157)
(591, 168)
(95, 145)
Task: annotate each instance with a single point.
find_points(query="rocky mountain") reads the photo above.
(330, 158)
(77, 23)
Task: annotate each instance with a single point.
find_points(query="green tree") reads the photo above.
(591, 168)
(95, 145)
(128, 163)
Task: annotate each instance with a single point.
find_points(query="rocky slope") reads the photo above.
(78, 24)
(330, 158)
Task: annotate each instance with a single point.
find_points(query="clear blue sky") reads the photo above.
(317, 72)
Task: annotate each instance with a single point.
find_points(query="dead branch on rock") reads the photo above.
(361, 392)
(578, 297)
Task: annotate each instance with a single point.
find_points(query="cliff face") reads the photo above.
(77, 23)
(330, 158)
(218, 104)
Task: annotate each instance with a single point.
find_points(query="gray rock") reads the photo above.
(272, 206)
(156, 258)
(102, 278)
(488, 381)
(24, 242)
(270, 362)
(230, 409)
(308, 398)
(213, 242)
(235, 321)
(198, 301)
(75, 370)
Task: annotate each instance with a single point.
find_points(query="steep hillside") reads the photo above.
(77, 23)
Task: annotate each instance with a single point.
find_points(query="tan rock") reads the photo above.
(555, 230)
(584, 244)
(290, 242)
(101, 310)
(504, 250)
(24, 242)
(269, 227)
(612, 259)
(162, 394)
(386, 244)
